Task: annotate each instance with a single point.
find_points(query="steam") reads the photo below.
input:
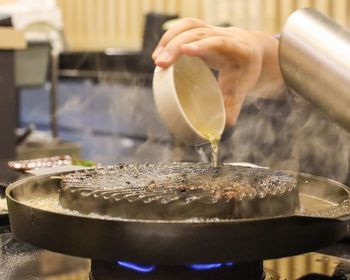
(118, 122)
(115, 122)
(290, 136)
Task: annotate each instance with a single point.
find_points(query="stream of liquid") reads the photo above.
(201, 108)
(214, 138)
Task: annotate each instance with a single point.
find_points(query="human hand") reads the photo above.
(240, 57)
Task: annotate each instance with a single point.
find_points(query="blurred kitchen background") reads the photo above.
(103, 24)
(82, 86)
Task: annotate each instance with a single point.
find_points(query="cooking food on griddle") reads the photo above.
(177, 191)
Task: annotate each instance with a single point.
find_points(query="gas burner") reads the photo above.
(19, 260)
(126, 270)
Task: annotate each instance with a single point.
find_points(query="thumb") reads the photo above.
(233, 107)
(233, 96)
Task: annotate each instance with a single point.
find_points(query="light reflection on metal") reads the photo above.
(137, 267)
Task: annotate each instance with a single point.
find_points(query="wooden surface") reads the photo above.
(101, 24)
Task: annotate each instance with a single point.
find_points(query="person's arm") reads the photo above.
(247, 61)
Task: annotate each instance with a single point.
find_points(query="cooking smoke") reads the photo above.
(116, 121)
(289, 134)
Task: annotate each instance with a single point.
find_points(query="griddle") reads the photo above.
(178, 191)
(322, 220)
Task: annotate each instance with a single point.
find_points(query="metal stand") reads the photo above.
(53, 91)
(7, 105)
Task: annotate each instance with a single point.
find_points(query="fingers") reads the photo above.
(206, 43)
(233, 106)
(233, 95)
(219, 51)
(176, 29)
(173, 49)
(236, 53)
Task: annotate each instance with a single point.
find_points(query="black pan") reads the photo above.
(323, 221)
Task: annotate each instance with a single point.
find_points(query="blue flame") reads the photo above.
(137, 267)
(209, 266)
(150, 268)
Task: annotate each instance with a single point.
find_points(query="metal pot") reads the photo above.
(314, 57)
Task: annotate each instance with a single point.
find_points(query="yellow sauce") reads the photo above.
(214, 138)
(201, 109)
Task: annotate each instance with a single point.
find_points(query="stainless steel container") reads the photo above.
(314, 57)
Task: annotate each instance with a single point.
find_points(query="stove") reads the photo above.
(20, 260)
(127, 270)
(311, 266)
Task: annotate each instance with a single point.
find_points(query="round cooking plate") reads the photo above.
(323, 221)
(180, 191)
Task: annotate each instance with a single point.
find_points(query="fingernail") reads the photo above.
(156, 52)
(163, 56)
